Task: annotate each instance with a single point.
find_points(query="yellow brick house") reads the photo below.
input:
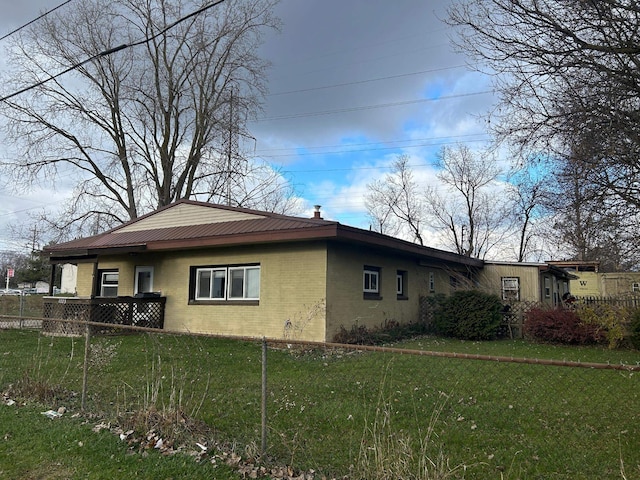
(235, 271)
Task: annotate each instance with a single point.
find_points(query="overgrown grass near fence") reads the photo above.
(21, 305)
(343, 412)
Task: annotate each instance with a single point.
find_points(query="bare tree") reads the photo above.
(393, 203)
(139, 127)
(528, 194)
(566, 71)
(588, 224)
(474, 221)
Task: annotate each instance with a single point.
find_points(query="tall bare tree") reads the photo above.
(394, 203)
(589, 226)
(135, 128)
(528, 191)
(465, 209)
(565, 71)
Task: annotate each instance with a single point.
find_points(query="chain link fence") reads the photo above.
(431, 409)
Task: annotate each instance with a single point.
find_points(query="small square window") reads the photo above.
(109, 284)
(511, 288)
(371, 278)
(371, 283)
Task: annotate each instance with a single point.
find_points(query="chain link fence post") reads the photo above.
(263, 447)
(85, 368)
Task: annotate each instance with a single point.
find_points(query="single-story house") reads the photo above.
(525, 282)
(235, 271)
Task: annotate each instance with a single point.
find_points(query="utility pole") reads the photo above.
(230, 149)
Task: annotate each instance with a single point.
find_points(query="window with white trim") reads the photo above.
(635, 287)
(109, 283)
(371, 281)
(238, 282)
(371, 286)
(511, 288)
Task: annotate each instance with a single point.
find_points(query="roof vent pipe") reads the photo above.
(316, 214)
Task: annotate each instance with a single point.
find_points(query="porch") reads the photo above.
(146, 310)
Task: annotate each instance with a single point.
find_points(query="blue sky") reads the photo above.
(377, 80)
(354, 84)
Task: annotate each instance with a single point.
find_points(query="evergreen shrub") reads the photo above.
(469, 315)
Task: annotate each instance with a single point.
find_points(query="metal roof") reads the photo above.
(246, 227)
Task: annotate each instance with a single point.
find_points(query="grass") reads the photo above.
(339, 412)
(33, 446)
(26, 306)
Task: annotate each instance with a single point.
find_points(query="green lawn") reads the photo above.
(334, 412)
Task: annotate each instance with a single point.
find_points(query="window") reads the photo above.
(547, 287)
(432, 282)
(635, 287)
(210, 283)
(244, 283)
(371, 282)
(226, 283)
(511, 288)
(109, 283)
(401, 285)
(371, 278)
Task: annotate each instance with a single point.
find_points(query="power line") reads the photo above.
(265, 152)
(111, 50)
(370, 107)
(34, 20)
(359, 82)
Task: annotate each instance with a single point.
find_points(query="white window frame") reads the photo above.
(510, 284)
(246, 293)
(635, 287)
(212, 271)
(109, 284)
(227, 272)
(399, 284)
(368, 275)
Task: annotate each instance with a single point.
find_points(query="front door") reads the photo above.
(144, 280)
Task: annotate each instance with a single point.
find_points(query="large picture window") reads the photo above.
(223, 283)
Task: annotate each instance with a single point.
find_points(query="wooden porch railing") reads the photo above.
(145, 311)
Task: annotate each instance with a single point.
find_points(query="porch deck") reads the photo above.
(143, 311)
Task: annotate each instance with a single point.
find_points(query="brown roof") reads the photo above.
(231, 226)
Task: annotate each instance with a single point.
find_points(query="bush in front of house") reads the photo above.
(560, 326)
(634, 329)
(390, 331)
(469, 315)
(611, 322)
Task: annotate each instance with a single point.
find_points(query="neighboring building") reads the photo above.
(527, 282)
(590, 282)
(243, 272)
